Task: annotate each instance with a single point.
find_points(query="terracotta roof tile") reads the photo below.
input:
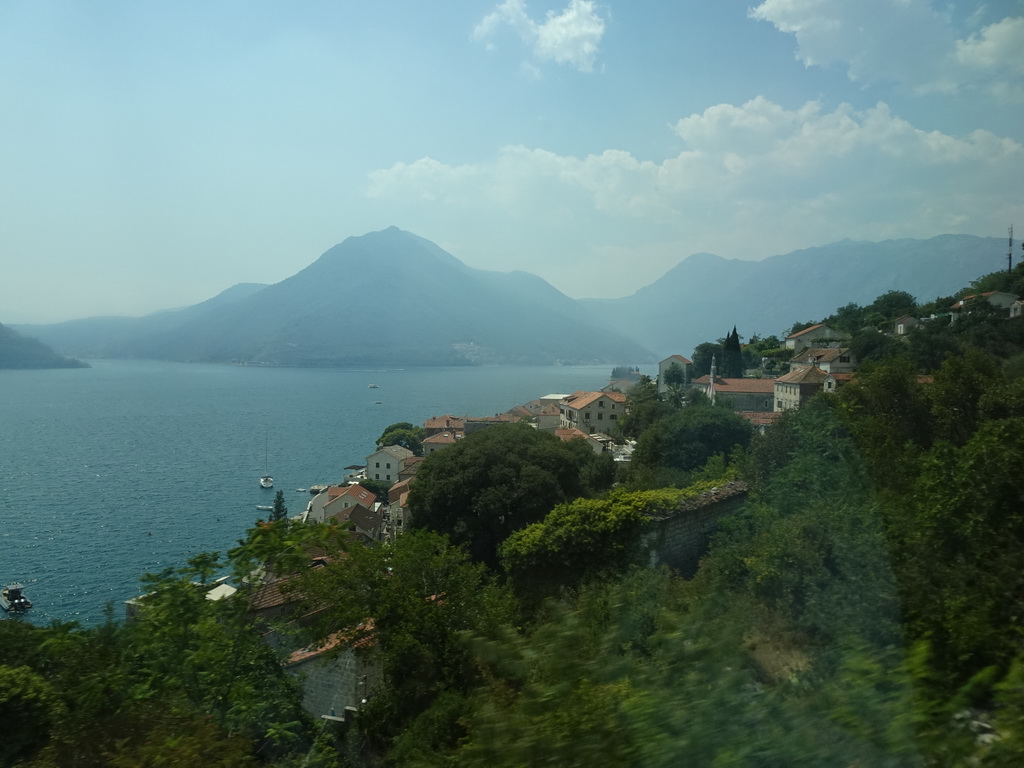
(680, 358)
(765, 386)
(805, 375)
(805, 330)
(821, 354)
(582, 399)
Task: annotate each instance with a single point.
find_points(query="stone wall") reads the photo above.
(332, 682)
(680, 539)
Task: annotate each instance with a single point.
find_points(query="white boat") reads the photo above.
(266, 481)
(13, 600)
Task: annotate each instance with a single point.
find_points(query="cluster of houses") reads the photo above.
(590, 416)
(822, 362)
(336, 684)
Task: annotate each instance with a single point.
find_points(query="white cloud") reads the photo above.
(998, 46)
(750, 180)
(908, 42)
(571, 37)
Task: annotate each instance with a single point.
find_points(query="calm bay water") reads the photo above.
(133, 466)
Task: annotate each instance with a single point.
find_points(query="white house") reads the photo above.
(664, 366)
(819, 335)
(385, 463)
(828, 359)
(801, 384)
(335, 499)
(591, 412)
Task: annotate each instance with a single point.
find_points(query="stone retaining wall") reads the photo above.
(680, 539)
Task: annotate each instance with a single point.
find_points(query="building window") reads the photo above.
(389, 465)
(600, 416)
(376, 477)
(377, 466)
(613, 417)
(600, 403)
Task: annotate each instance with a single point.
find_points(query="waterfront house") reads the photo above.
(385, 463)
(591, 412)
(336, 498)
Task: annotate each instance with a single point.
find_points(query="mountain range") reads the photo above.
(393, 298)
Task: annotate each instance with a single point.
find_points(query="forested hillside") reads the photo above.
(17, 351)
(864, 608)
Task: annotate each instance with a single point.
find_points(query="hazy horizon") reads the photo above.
(158, 155)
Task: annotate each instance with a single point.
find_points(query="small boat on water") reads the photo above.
(263, 508)
(13, 600)
(266, 481)
(373, 386)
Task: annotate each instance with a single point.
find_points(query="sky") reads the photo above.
(155, 154)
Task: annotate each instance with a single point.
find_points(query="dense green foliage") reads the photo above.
(498, 480)
(187, 683)
(677, 445)
(405, 434)
(864, 608)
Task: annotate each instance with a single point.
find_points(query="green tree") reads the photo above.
(887, 412)
(675, 376)
(893, 304)
(405, 604)
(643, 408)
(962, 537)
(702, 356)
(279, 510)
(405, 434)
(873, 346)
(684, 442)
(492, 483)
(849, 318)
(731, 365)
(32, 710)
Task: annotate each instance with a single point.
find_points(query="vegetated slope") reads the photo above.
(705, 295)
(125, 336)
(389, 298)
(20, 352)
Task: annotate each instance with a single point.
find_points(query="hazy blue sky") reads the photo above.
(153, 154)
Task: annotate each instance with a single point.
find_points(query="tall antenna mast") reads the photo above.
(1009, 252)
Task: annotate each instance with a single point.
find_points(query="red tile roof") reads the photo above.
(443, 438)
(806, 330)
(758, 386)
(821, 354)
(582, 399)
(807, 374)
(444, 422)
(680, 358)
(570, 433)
(760, 419)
